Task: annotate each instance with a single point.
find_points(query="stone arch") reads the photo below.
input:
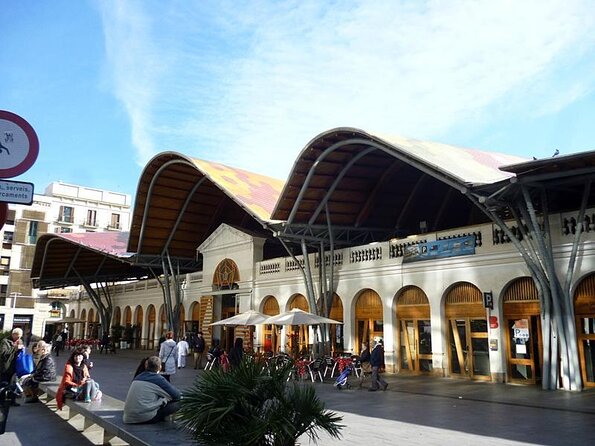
(467, 332)
(522, 330)
(584, 310)
(138, 326)
(151, 326)
(368, 317)
(413, 330)
(271, 335)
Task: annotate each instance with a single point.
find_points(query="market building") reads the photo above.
(62, 209)
(414, 242)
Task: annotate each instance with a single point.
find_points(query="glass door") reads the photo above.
(524, 338)
(415, 345)
(469, 349)
(586, 346)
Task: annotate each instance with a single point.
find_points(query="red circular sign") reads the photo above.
(19, 145)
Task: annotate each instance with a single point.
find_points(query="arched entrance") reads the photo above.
(271, 339)
(195, 317)
(298, 334)
(414, 338)
(127, 317)
(151, 325)
(117, 318)
(138, 327)
(182, 322)
(524, 350)
(369, 322)
(92, 319)
(83, 332)
(226, 277)
(336, 330)
(584, 310)
(162, 322)
(467, 332)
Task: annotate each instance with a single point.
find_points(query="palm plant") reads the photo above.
(255, 405)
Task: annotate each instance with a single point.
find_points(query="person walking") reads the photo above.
(168, 355)
(199, 350)
(182, 353)
(377, 361)
(150, 398)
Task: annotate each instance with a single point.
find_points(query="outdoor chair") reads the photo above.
(315, 368)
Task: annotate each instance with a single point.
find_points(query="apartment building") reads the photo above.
(62, 208)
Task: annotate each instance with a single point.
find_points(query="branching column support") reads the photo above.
(560, 350)
(104, 309)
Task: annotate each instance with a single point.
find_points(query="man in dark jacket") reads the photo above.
(377, 361)
(9, 348)
(199, 350)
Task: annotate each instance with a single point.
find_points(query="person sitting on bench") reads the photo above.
(151, 397)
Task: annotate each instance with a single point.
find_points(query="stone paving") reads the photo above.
(413, 411)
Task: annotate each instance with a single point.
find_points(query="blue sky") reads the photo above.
(109, 84)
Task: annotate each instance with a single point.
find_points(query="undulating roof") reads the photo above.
(180, 201)
(389, 185)
(62, 259)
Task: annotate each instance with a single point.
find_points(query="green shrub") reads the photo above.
(254, 404)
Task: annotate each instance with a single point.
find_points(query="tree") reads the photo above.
(254, 405)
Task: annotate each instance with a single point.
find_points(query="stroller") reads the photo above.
(341, 381)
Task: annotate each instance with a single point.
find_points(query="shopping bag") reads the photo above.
(24, 363)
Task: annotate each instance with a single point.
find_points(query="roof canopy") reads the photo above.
(61, 259)
(385, 186)
(180, 201)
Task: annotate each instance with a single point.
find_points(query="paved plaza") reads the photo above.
(413, 411)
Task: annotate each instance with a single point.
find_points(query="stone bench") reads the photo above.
(107, 414)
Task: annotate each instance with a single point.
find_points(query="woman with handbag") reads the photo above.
(168, 353)
(45, 371)
(76, 382)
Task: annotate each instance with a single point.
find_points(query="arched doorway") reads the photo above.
(584, 310)
(467, 332)
(182, 332)
(117, 318)
(226, 277)
(92, 319)
(271, 339)
(138, 327)
(195, 317)
(414, 338)
(336, 330)
(151, 325)
(83, 328)
(524, 352)
(369, 321)
(162, 322)
(298, 334)
(127, 317)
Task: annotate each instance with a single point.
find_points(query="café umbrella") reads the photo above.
(299, 317)
(250, 317)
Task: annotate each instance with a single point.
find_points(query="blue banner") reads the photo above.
(440, 249)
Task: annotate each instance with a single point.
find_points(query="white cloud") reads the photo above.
(251, 83)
